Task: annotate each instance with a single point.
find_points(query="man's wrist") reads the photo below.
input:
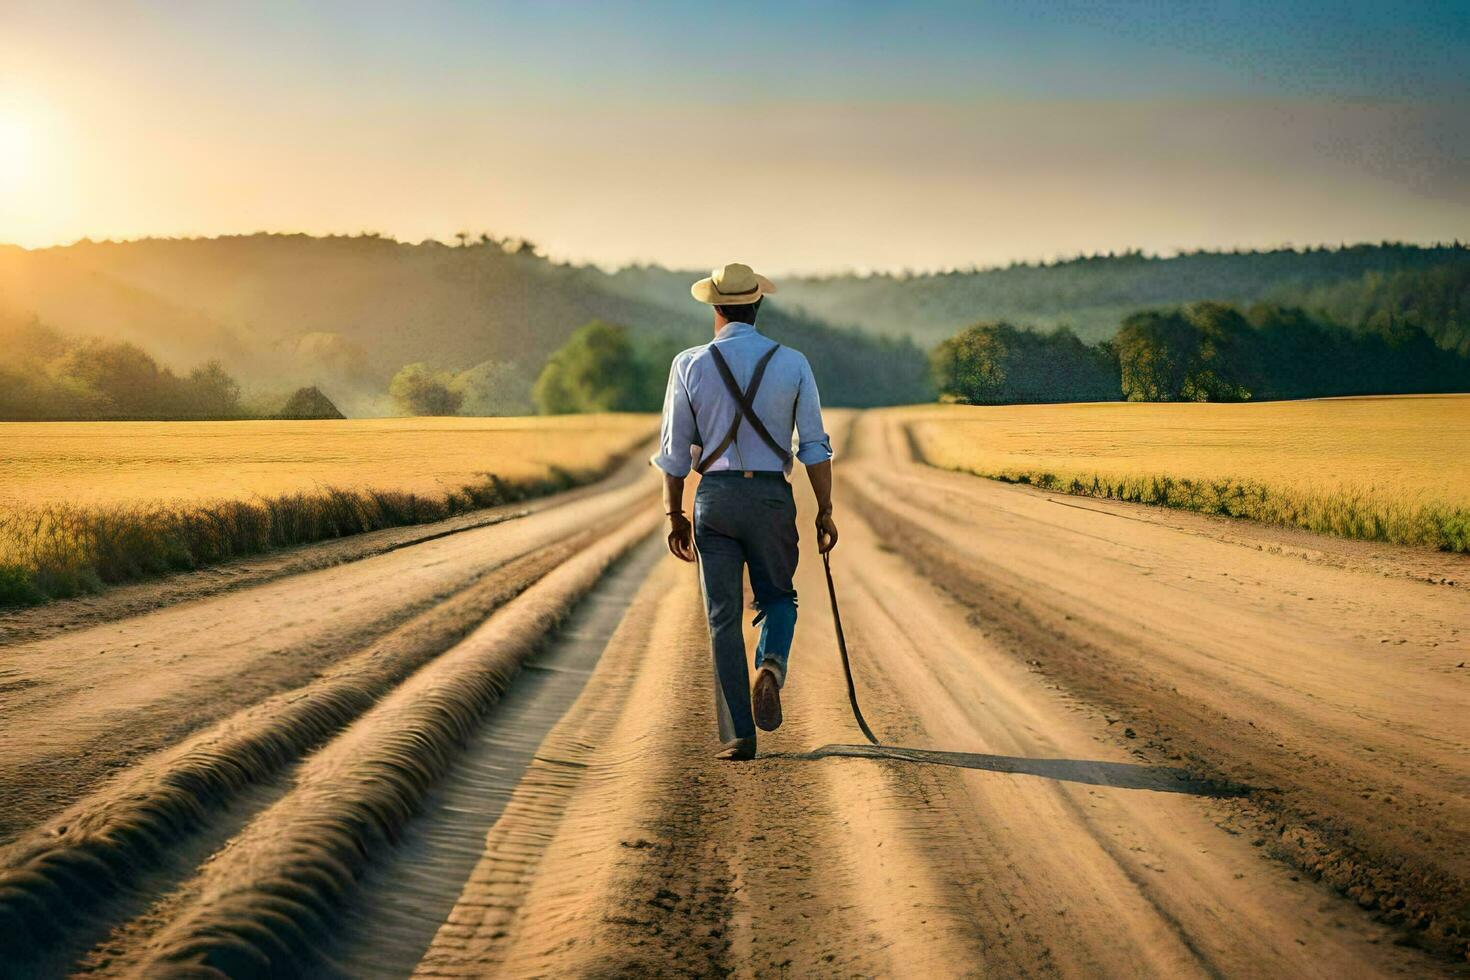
(824, 511)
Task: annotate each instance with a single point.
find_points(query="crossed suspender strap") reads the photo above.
(745, 408)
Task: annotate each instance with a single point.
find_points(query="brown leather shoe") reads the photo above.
(740, 750)
(766, 700)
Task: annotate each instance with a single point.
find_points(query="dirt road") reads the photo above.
(1121, 742)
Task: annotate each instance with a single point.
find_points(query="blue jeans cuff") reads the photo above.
(778, 626)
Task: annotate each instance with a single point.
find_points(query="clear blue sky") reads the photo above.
(858, 50)
(976, 132)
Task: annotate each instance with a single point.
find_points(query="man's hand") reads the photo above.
(681, 532)
(821, 477)
(826, 532)
(681, 537)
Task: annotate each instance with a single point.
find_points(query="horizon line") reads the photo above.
(484, 239)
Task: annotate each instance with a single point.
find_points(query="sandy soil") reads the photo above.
(1118, 743)
(79, 704)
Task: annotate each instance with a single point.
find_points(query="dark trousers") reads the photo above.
(745, 523)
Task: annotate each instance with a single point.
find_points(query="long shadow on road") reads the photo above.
(1121, 775)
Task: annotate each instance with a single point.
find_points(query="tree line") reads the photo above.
(1201, 352)
(601, 368)
(1436, 299)
(1348, 284)
(608, 367)
(46, 375)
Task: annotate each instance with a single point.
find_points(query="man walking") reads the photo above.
(729, 413)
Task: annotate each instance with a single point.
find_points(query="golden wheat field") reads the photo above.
(83, 505)
(108, 463)
(1384, 468)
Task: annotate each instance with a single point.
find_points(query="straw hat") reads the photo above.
(732, 285)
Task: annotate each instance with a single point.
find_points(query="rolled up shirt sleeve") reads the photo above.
(677, 432)
(813, 444)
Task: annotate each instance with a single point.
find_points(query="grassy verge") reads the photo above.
(1346, 513)
(61, 550)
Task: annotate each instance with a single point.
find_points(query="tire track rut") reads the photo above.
(55, 878)
(268, 899)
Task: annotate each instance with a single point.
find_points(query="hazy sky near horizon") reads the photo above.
(794, 136)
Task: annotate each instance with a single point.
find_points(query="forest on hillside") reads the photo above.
(1092, 294)
(48, 376)
(1434, 298)
(45, 375)
(1201, 352)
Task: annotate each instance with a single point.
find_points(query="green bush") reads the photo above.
(597, 370)
(17, 587)
(416, 390)
(996, 363)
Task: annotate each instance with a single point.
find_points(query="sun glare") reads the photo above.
(17, 148)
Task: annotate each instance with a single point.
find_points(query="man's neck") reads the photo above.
(732, 326)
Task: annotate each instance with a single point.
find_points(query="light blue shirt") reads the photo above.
(698, 408)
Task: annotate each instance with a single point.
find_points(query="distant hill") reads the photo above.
(283, 312)
(76, 296)
(1094, 294)
(289, 311)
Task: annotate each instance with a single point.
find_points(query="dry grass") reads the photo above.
(83, 505)
(1389, 469)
